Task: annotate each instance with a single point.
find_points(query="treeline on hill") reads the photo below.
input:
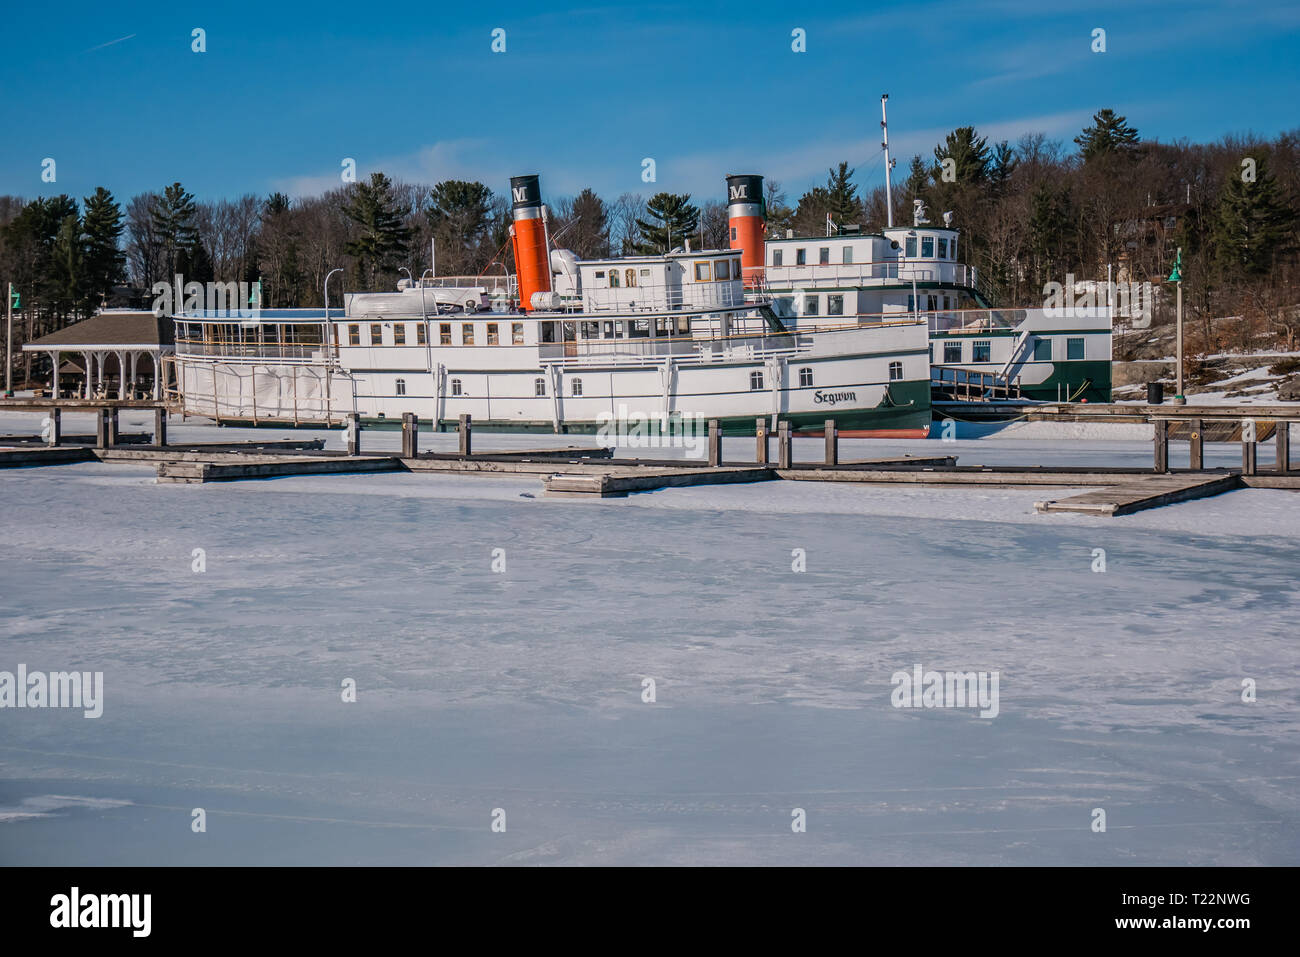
(1030, 212)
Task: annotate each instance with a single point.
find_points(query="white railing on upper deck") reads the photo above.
(722, 294)
(829, 275)
(974, 320)
(490, 281)
(688, 350)
(283, 351)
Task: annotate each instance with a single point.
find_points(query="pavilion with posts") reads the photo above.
(120, 350)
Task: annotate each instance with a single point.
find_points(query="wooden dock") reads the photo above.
(23, 457)
(1151, 491)
(250, 467)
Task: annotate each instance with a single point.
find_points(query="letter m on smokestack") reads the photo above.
(528, 234)
(747, 217)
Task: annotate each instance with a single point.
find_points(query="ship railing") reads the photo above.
(680, 349)
(969, 385)
(724, 294)
(821, 275)
(217, 349)
(974, 320)
(490, 281)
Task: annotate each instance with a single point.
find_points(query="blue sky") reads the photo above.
(114, 94)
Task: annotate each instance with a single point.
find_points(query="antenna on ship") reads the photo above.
(889, 164)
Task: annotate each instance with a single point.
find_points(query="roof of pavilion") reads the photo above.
(111, 329)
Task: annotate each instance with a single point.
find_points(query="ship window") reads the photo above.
(354, 335)
(613, 279)
(943, 248)
(702, 272)
(733, 234)
(931, 303)
(1042, 350)
(810, 305)
(493, 339)
(600, 274)
(539, 386)
(835, 305)
(639, 328)
(577, 387)
(645, 272)
(722, 269)
(911, 247)
(756, 381)
(630, 276)
(848, 256)
(420, 335)
(376, 334)
(801, 257)
(455, 387)
(444, 334)
(401, 387)
(776, 257)
(1074, 348)
(467, 333)
(735, 269)
(399, 333)
(517, 333)
(927, 247)
(895, 371)
(805, 378)
(981, 350)
(824, 256)
(952, 351)
(953, 249)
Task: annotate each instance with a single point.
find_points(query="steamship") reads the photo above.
(567, 345)
(855, 279)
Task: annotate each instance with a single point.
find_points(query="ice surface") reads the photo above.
(522, 689)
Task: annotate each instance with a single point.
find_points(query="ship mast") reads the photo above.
(889, 164)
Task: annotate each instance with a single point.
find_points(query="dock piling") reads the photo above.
(1197, 454)
(354, 433)
(1248, 455)
(410, 435)
(832, 443)
(1283, 430)
(160, 427)
(784, 445)
(1161, 446)
(56, 428)
(466, 430)
(760, 435)
(715, 443)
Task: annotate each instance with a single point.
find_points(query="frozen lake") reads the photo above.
(521, 689)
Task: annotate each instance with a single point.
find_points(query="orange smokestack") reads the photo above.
(747, 218)
(528, 234)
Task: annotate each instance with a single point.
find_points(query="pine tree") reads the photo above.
(460, 217)
(843, 203)
(674, 221)
(172, 216)
(969, 154)
(66, 281)
(104, 261)
(918, 181)
(1253, 224)
(382, 239)
(1109, 135)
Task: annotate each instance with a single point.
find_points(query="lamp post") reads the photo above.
(1176, 277)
